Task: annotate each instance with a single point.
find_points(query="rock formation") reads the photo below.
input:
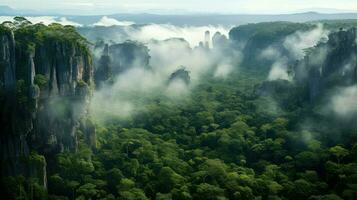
(219, 41)
(46, 74)
(207, 39)
(181, 74)
(118, 58)
(103, 71)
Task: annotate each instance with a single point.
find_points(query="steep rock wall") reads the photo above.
(45, 90)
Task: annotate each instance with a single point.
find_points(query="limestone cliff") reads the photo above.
(45, 82)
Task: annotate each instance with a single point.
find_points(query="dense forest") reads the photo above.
(239, 137)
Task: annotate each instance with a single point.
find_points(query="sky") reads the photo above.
(90, 7)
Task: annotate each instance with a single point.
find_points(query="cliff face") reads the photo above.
(7, 60)
(329, 64)
(13, 144)
(64, 65)
(62, 101)
(45, 88)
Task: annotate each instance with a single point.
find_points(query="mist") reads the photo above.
(294, 47)
(121, 31)
(279, 70)
(299, 41)
(192, 34)
(107, 21)
(134, 89)
(344, 103)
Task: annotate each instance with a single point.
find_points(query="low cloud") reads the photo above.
(65, 21)
(120, 31)
(136, 88)
(107, 21)
(270, 53)
(294, 47)
(301, 40)
(279, 70)
(192, 34)
(167, 56)
(344, 102)
(124, 98)
(223, 70)
(177, 89)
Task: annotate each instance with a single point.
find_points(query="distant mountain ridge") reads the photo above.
(214, 19)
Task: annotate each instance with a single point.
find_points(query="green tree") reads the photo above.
(209, 192)
(339, 152)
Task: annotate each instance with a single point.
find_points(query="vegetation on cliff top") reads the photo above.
(29, 35)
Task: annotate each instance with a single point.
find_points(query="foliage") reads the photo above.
(222, 146)
(21, 92)
(40, 80)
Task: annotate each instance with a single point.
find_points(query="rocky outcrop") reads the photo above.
(103, 71)
(45, 84)
(115, 59)
(219, 41)
(207, 39)
(181, 74)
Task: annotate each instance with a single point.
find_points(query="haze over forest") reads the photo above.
(178, 100)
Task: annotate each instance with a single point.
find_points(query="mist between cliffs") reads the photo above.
(172, 48)
(136, 87)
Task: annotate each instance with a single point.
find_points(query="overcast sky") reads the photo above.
(184, 6)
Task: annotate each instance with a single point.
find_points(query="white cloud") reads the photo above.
(279, 71)
(132, 87)
(192, 34)
(344, 103)
(65, 21)
(223, 70)
(177, 89)
(106, 21)
(297, 42)
(294, 44)
(270, 53)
